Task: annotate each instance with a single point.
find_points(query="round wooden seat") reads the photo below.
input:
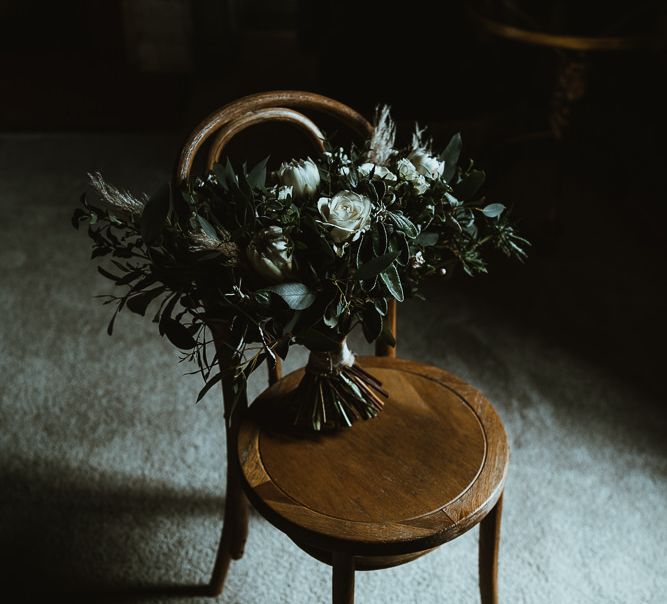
(427, 469)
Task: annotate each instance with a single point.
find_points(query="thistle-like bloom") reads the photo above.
(300, 174)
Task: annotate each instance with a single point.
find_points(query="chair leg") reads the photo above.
(489, 541)
(234, 530)
(343, 578)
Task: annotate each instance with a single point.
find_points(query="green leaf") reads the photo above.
(212, 382)
(298, 296)
(470, 184)
(371, 322)
(207, 227)
(382, 306)
(427, 239)
(404, 223)
(107, 274)
(257, 176)
(379, 237)
(225, 176)
(178, 334)
(318, 341)
(100, 251)
(139, 303)
(399, 244)
(451, 156)
(375, 266)
(154, 215)
(78, 215)
(393, 283)
(493, 210)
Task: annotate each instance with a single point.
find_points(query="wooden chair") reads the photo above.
(431, 466)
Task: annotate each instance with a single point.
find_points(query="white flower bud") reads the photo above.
(348, 212)
(270, 254)
(426, 164)
(417, 260)
(300, 174)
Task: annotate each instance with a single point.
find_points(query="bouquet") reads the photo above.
(254, 262)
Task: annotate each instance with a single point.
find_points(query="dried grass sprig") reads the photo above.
(120, 202)
(382, 142)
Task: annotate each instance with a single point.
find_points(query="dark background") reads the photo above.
(574, 142)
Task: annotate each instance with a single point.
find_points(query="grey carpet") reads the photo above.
(112, 480)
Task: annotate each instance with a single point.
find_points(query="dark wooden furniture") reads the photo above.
(431, 466)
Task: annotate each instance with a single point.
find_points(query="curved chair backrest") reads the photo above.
(280, 106)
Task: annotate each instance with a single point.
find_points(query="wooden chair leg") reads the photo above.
(234, 530)
(343, 578)
(489, 541)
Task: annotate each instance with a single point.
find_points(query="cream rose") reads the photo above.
(426, 164)
(347, 212)
(270, 254)
(300, 174)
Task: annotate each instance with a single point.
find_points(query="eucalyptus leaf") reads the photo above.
(404, 224)
(470, 184)
(379, 237)
(375, 266)
(212, 382)
(298, 296)
(139, 302)
(207, 227)
(451, 156)
(427, 239)
(493, 210)
(319, 341)
(257, 176)
(178, 334)
(371, 322)
(382, 306)
(393, 283)
(154, 216)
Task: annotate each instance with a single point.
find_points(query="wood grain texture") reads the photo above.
(381, 496)
(292, 99)
(259, 116)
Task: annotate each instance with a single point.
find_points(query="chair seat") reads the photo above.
(427, 469)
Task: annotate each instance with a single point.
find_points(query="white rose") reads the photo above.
(300, 174)
(380, 171)
(408, 171)
(349, 213)
(270, 254)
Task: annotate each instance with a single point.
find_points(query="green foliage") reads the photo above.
(187, 254)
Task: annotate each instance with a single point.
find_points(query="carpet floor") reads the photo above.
(112, 479)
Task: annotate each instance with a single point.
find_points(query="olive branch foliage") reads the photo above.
(182, 254)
